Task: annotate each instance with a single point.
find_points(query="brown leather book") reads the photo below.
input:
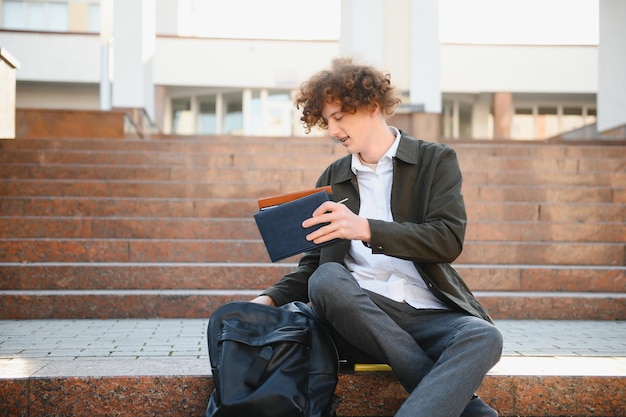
(284, 198)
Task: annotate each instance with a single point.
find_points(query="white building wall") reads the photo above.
(75, 58)
(362, 30)
(403, 39)
(134, 47)
(52, 96)
(54, 57)
(196, 66)
(191, 62)
(397, 53)
(612, 64)
(425, 55)
(519, 68)
(238, 63)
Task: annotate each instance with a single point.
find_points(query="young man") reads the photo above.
(388, 287)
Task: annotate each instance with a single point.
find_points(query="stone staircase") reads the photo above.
(163, 228)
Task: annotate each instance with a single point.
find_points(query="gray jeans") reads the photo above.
(439, 356)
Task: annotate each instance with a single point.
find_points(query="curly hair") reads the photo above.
(356, 86)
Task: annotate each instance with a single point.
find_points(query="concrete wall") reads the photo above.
(612, 64)
(238, 63)
(519, 68)
(75, 58)
(57, 96)
(8, 67)
(55, 57)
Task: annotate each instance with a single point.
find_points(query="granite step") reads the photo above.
(152, 367)
(246, 229)
(312, 145)
(228, 144)
(174, 158)
(545, 241)
(141, 206)
(258, 276)
(245, 207)
(213, 250)
(306, 177)
(177, 303)
(181, 388)
(189, 189)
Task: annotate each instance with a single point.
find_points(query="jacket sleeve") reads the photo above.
(294, 286)
(429, 211)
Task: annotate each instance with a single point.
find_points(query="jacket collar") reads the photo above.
(407, 152)
(407, 149)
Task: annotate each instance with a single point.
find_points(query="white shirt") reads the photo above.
(391, 277)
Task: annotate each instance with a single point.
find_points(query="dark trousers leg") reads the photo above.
(439, 356)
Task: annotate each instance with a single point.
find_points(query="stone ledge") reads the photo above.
(74, 124)
(538, 387)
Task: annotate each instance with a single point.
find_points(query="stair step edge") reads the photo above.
(239, 292)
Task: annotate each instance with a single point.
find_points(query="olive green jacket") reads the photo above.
(428, 227)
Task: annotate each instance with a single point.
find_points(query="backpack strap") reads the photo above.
(253, 377)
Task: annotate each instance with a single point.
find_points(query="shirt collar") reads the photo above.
(391, 152)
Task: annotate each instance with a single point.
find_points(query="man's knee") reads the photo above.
(328, 281)
(492, 341)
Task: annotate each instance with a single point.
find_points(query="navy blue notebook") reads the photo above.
(281, 226)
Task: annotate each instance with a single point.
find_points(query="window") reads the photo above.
(534, 116)
(543, 122)
(447, 118)
(255, 115)
(591, 116)
(279, 108)
(456, 120)
(572, 118)
(57, 17)
(182, 118)
(547, 122)
(523, 124)
(94, 18)
(244, 112)
(207, 119)
(465, 120)
(35, 15)
(14, 15)
(233, 116)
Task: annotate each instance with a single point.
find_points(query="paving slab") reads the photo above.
(29, 347)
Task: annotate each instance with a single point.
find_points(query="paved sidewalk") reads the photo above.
(177, 338)
(530, 346)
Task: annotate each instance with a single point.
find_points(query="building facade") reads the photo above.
(161, 56)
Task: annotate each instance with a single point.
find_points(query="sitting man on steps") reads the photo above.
(387, 288)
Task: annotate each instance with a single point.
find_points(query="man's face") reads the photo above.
(353, 131)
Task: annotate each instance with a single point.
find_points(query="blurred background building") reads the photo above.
(482, 69)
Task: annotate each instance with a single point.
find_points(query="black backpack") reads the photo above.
(271, 362)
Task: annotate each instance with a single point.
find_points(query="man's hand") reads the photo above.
(343, 224)
(264, 299)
